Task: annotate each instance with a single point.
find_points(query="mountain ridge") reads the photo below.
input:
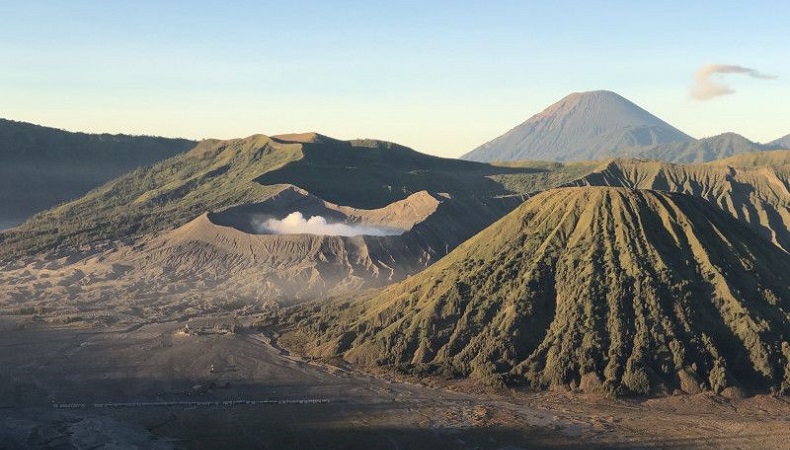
(701, 150)
(218, 174)
(563, 291)
(752, 187)
(781, 143)
(44, 166)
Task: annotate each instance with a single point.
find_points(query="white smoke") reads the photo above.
(706, 87)
(295, 223)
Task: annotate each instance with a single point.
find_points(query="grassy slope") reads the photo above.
(382, 173)
(220, 174)
(754, 187)
(212, 175)
(41, 167)
(629, 291)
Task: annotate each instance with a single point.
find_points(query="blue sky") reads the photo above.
(442, 77)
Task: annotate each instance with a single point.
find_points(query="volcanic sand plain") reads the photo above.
(169, 385)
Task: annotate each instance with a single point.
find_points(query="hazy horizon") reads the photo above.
(441, 78)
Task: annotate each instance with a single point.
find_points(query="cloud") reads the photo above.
(295, 223)
(706, 87)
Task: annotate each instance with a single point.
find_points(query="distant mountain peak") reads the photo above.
(602, 109)
(576, 98)
(581, 126)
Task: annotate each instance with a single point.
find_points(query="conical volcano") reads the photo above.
(595, 288)
(581, 126)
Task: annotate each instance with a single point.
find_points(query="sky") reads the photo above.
(441, 77)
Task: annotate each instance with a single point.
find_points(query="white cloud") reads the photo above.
(295, 223)
(706, 87)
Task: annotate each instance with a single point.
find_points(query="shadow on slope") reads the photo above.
(607, 289)
(754, 188)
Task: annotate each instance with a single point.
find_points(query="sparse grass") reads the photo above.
(41, 167)
(219, 174)
(632, 286)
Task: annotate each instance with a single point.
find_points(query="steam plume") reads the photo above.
(706, 87)
(295, 223)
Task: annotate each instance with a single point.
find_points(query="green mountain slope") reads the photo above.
(220, 174)
(42, 167)
(373, 174)
(753, 187)
(614, 289)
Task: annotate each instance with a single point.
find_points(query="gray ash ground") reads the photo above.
(185, 390)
